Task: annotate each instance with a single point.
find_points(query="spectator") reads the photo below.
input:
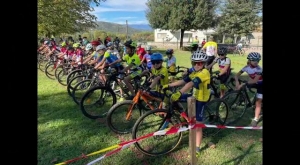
(196, 40)
(140, 51)
(203, 42)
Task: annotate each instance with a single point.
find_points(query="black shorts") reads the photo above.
(223, 78)
(210, 60)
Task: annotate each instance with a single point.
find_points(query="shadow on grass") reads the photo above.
(239, 159)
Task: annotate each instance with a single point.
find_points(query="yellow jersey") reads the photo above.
(134, 59)
(163, 72)
(201, 80)
(210, 47)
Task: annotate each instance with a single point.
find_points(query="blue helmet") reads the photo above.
(156, 57)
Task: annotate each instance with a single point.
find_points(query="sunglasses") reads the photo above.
(255, 60)
(197, 63)
(155, 62)
(221, 54)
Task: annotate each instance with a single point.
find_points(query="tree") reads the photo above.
(65, 16)
(181, 15)
(239, 17)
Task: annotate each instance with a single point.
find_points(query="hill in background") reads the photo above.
(121, 28)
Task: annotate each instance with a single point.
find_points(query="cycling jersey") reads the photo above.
(134, 59)
(201, 80)
(252, 71)
(222, 63)
(79, 56)
(163, 72)
(210, 46)
(148, 59)
(111, 58)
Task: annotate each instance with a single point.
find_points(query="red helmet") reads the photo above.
(95, 43)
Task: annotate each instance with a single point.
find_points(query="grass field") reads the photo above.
(64, 133)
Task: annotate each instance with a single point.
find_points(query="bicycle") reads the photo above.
(133, 109)
(150, 120)
(238, 101)
(97, 96)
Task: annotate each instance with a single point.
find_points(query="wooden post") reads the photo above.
(191, 101)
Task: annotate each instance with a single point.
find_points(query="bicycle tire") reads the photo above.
(70, 85)
(73, 74)
(151, 140)
(47, 71)
(60, 75)
(215, 115)
(114, 123)
(86, 98)
(83, 86)
(57, 70)
(235, 113)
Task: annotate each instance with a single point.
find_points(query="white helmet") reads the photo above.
(100, 47)
(109, 44)
(199, 56)
(88, 46)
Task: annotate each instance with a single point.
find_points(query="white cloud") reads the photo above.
(121, 5)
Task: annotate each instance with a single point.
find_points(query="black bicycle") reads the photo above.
(238, 101)
(161, 119)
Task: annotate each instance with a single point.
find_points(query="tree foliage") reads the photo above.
(65, 16)
(239, 17)
(181, 14)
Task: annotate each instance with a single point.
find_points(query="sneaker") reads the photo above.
(254, 123)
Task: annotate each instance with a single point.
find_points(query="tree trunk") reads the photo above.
(181, 38)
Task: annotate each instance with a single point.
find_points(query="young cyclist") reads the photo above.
(161, 76)
(147, 57)
(254, 72)
(199, 79)
(133, 64)
(78, 55)
(224, 68)
(171, 62)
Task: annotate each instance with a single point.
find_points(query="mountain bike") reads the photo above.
(151, 122)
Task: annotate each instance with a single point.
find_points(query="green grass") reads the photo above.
(64, 133)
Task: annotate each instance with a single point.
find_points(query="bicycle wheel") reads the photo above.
(62, 76)
(216, 112)
(49, 70)
(122, 116)
(73, 82)
(73, 74)
(96, 102)
(237, 104)
(80, 88)
(57, 70)
(156, 145)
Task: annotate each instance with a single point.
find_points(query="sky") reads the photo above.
(118, 11)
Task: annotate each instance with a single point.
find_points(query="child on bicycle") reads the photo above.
(199, 79)
(161, 76)
(171, 63)
(224, 67)
(254, 72)
(133, 65)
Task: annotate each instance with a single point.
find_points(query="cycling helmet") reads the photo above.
(194, 47)
(130, 44)
(109, 44)
(63, 44)
(95, 43)
(199, 56)
(100, 47)
(222, 50)
(88, 46)
(156, 57)
(253, 56)
(169, 51)
(76, 45)
(85, 42)
(148, 48)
